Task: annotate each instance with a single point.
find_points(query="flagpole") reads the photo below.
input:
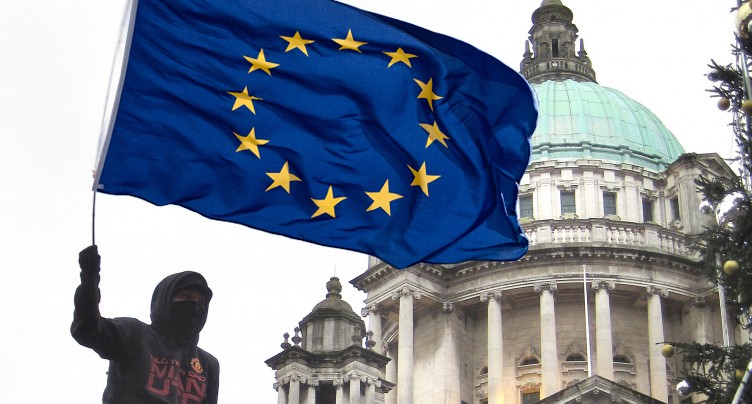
(587, 318)
(121, 52)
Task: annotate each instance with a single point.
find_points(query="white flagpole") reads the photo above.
(116, 75)
(587, 318)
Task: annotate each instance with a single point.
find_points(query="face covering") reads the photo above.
(187, 318)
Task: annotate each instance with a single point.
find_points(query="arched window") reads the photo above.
(621, 359)
(529, 361)
(575, 357)
(484, 370)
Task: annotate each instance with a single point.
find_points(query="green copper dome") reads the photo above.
(584, 120)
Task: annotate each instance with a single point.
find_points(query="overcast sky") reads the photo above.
(56, 58)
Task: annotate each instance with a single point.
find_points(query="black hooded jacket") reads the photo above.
(149, 364)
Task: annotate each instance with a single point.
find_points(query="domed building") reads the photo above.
(608, 203)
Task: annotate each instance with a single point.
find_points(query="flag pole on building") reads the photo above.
(587, 318)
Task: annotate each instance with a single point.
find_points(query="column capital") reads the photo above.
(277, 385)
(339, 382)
(487, 296)
(375, 381)
(406, 291)
(312, 382)
(293, 377)
(656, 291)
(604, 285)
(545, 286)
(372, 308)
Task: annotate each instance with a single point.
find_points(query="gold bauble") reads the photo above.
(730, 267)
(743, 18)
(739, 374)
(747, 107)
(667, 351)
(724, 104)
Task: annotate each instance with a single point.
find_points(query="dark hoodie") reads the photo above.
(158, 363)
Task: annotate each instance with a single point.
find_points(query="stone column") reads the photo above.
(294, 395)
(354, 389)
(374, 324)
(495, 348)
(371, 384)
(604, 347)
(447, 390)
(701, 320)
(339, 392)
(405, 349)
(281, 393)
(658, 382)
(311, 396)
(550, 372)
(391, 374)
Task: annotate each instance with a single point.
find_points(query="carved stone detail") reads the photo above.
(406, 291)
(656, 291)
(605, 285)
(543, 286)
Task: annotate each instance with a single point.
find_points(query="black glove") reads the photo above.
(88, 260)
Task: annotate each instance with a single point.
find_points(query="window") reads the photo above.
(575, 357)
(529, 361)
(621, 359)
(567, 202)
(555, 48)
(675, 214)
(647, 210)
(530, 397)
(609, 203)
(526, 206)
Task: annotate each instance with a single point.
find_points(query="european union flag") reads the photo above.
(325, 123)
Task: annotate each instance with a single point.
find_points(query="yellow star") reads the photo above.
(349, 42)
(282, 178)
(400, 56)
(426, 91)
(422, 179)
(260, 63)
(382, 199)
(250, 142)
(327, 204)
(242, 99)
(296, 42)
(434, 134)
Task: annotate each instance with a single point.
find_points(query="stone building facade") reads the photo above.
(608, 204)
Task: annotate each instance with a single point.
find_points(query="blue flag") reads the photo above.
(325, 123)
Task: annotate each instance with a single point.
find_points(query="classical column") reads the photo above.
(702, 320)
(374, 324)
(354, 389)
(658, 382)
(405, 349)
(391, 374)
(281, 393)
(550, 372)
(495, 348)
(447, 389)
(311, 396)
(294, 395)
(339, 392)
(371, 384)
(604, 348)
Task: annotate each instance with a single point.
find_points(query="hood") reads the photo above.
(162, 297)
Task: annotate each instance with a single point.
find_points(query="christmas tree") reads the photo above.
(720, 374)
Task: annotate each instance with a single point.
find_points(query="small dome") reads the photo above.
(585, 120)
(333, 299)
(332, 325)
